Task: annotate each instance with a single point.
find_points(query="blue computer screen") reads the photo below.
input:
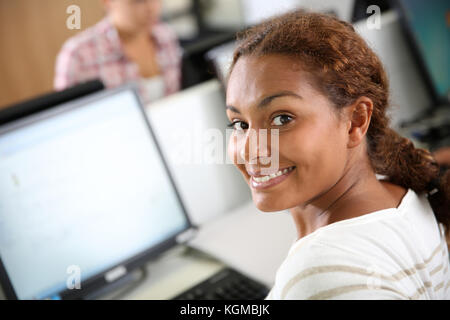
(429, 22)
(86, 188)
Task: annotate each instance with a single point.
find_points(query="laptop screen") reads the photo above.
(82, 186)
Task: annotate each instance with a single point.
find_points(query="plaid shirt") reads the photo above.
(96, 53)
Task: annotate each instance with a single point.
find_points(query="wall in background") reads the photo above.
(31, 35)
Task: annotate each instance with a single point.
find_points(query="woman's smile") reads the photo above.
(259, 182)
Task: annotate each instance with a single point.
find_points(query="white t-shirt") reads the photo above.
(396, 253)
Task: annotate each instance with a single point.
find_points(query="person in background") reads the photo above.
(129, 44)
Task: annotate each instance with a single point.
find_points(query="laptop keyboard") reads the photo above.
(226, 284)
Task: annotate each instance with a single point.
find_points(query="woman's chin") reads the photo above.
(267, 205)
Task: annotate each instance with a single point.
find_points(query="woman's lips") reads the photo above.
(264, 182)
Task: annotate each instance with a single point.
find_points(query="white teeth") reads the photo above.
(273, 175)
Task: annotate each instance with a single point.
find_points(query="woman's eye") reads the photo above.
(238, 125)
(281, 120)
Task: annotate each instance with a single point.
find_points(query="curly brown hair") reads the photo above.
(344, 68)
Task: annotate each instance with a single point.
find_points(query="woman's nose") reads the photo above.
(255, 149)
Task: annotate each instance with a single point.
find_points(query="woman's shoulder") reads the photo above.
(166, 36)
(412, 218)
(348, 255)
(355, 244)
(338, 263)
(389, 231)
(321, 269)
(102, 30)
(164, 30)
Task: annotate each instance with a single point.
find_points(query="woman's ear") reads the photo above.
(358, 115)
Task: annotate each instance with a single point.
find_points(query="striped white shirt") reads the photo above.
(395, 253)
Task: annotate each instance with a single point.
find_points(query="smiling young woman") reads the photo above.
(314, 79)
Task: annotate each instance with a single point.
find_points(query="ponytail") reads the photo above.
(404, 165)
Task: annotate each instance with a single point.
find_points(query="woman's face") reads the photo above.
(272, 92)
(134, 14)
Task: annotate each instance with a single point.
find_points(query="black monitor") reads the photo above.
(48, 100)
(427, 26)
(221, 58)
(84, 189)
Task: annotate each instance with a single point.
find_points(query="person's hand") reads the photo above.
(442, 156)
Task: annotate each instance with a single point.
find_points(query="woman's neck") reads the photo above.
(348, 198)
(127, 35)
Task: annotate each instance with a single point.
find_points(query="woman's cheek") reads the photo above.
(233, 150)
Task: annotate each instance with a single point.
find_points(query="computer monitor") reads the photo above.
(427, 26)
(85, 188)
(221, 58)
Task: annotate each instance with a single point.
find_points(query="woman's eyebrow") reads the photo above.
(233, 109)
(267, 100)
